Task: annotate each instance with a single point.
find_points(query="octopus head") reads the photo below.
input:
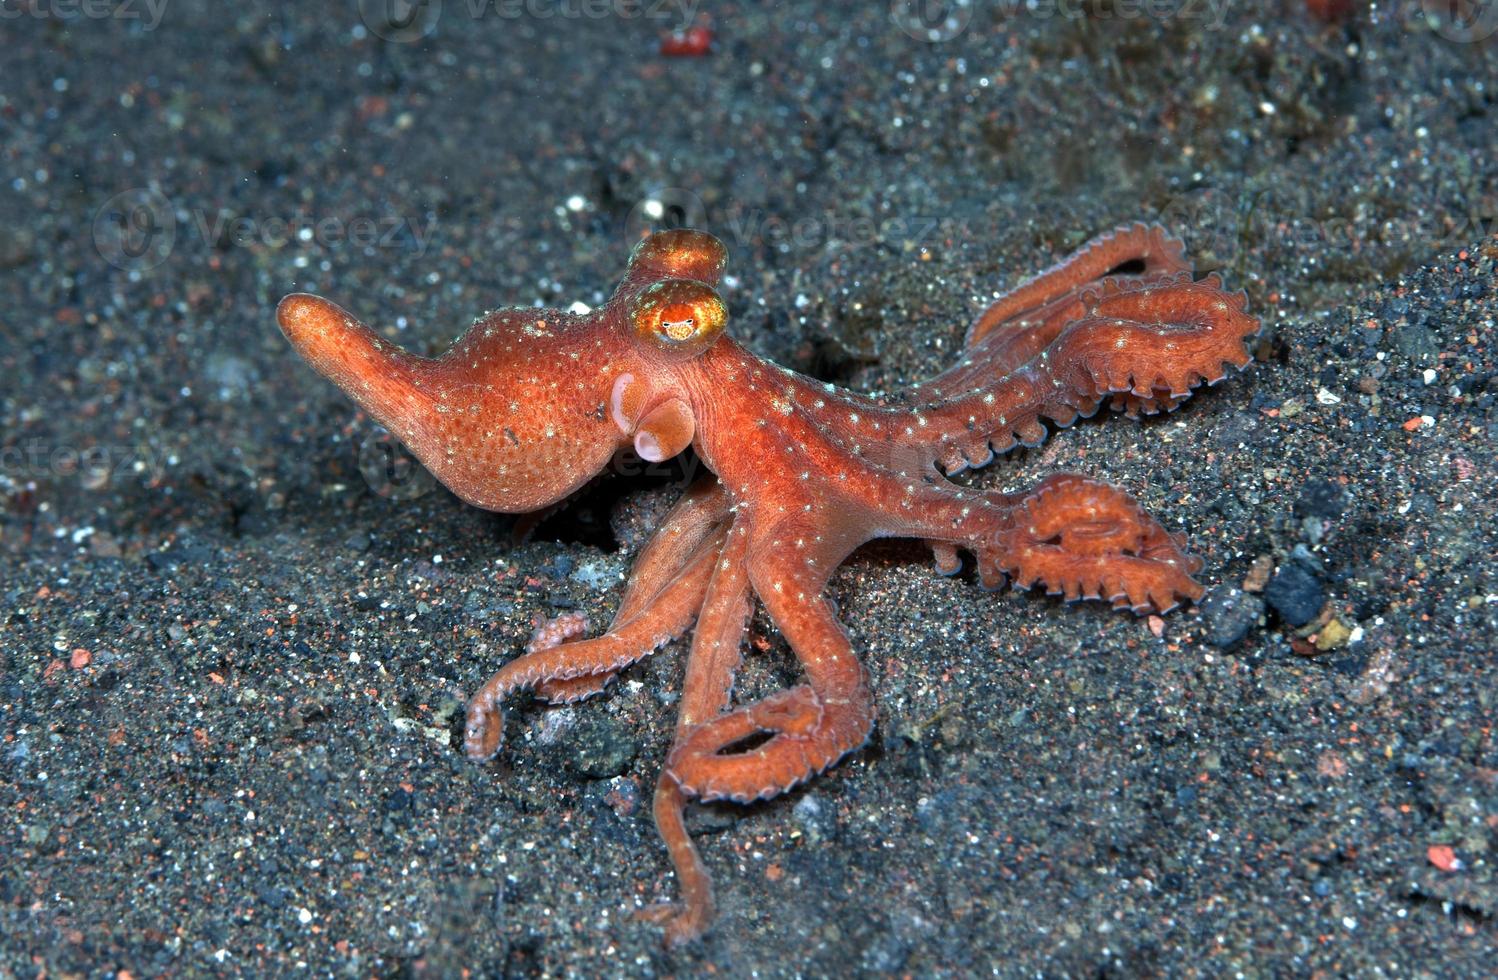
(668, 309)
(530, 403)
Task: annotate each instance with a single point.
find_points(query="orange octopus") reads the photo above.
(530, 404)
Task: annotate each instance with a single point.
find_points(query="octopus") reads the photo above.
(529, 404)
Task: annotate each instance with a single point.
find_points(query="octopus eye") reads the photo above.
(680, 315)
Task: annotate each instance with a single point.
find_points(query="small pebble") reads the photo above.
(1295, 594)
(1229, 614)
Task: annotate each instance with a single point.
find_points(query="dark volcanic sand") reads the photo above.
(233, 667)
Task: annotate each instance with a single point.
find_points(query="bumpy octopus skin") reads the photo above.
(529, 404)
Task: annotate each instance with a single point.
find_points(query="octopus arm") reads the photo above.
(1075, 536)
(699, 512)
(711, 665)
(1150, 247)
(1075, 338)
(671, 613)
(808, 727)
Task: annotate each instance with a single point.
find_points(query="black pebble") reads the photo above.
(1229, 614)
(602, 750)
(1295, 594)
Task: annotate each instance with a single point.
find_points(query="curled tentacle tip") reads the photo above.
(483, 737)
(556, 631)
